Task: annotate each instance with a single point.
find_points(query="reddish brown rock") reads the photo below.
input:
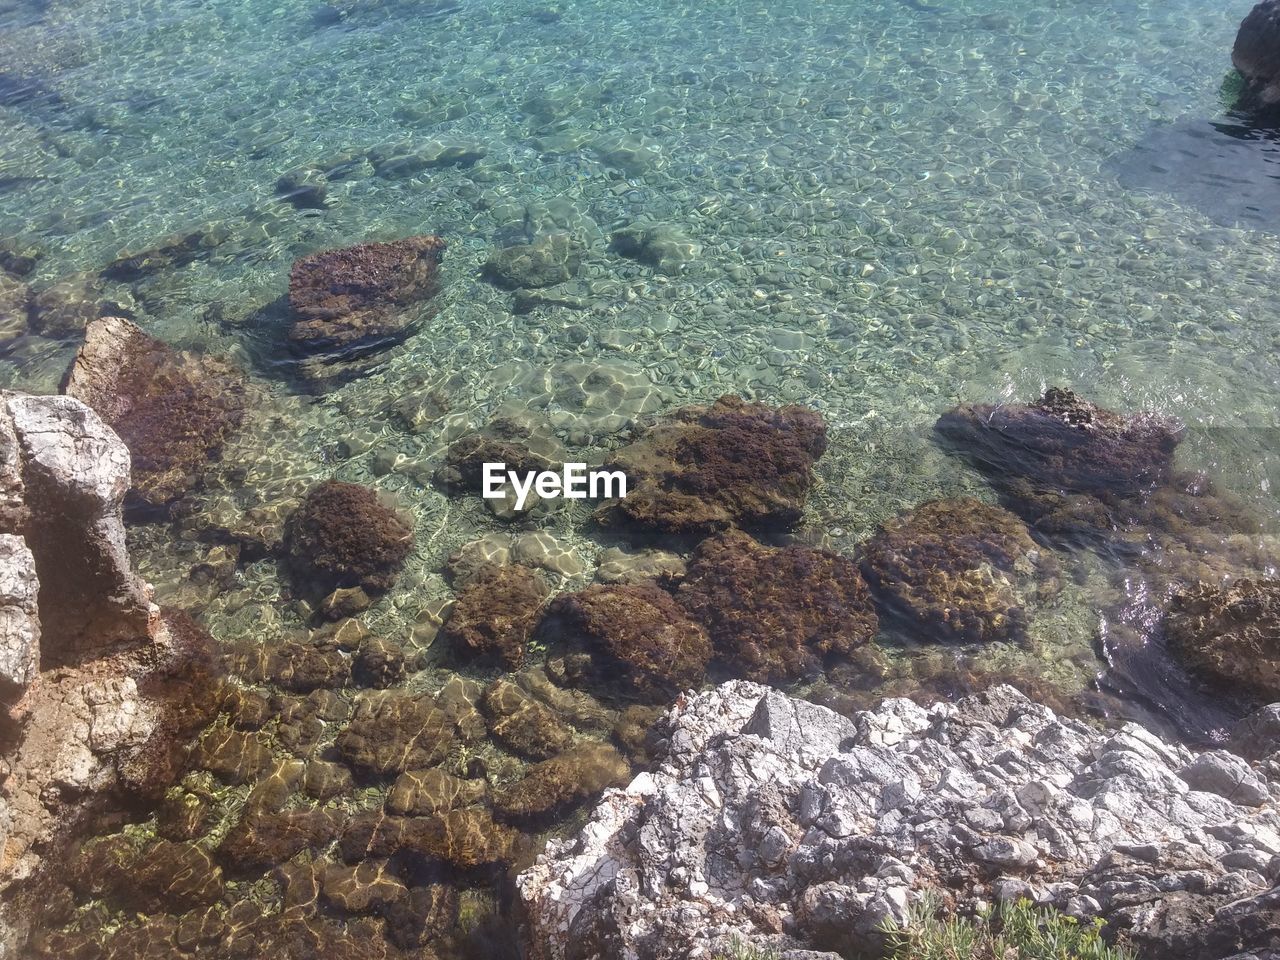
(495, 614)
(776, 613)
(173, 409)
(703, 469)
(343, 535)
(644, 640)
(354, 299)
(523, 724)
(958, 570)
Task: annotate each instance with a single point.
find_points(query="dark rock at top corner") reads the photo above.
(354, 300)
(703, 469)
(173, 409)
(343, 535)
(1065, 442)
(1256, 54)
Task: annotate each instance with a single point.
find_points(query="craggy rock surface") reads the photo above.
(641, 638)
(703, 469)
(174, 410)
(1230, 634)
(777, 822)
(776, 613)
(1256, 54)
(1066, 442)
(353, 300)
(958, 570)
(343, 535)
(63, 477)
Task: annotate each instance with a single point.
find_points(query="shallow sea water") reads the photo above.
(893, 206)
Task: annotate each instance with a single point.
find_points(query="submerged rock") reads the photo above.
(819, 829)
(662, 246)
(554, 787)
(703, 469)
(776, 613)
(1065, 442)
(958, 570)
(647, 645)
(343, 535)
(495, 614)
(549, 259)
(175, 250)
(1230, 635)
(393, 732)
(523, 724)
(354, 301)
(173, 409)
(466, 838)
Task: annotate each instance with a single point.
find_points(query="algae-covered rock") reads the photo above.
(262, 838)
(1230, 635)
(1064, 442)
(355, 299)
(553, 787)
(343, 535)
(523, 724)
(495, 614)
(703, 469)
(647, 644)
(776, 613)
(156, 877)
(421, 792)
(663, 246)
(394, 732)
(465, 838)
(958, 570)
(1256, 54)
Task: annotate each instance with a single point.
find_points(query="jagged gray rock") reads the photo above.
(776, 822)
(19, 615)
(73, 472)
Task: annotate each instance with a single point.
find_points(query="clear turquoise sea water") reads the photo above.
(891, 206)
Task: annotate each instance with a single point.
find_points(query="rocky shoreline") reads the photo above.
(777, 823)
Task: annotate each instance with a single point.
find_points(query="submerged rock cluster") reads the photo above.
(777, 823)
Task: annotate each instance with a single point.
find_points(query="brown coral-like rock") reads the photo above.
(1230, 635)
(776, 613)
(1065, 442)
(262, 839)
(353, 300)
(391, 733)
(555, 786)
(645, 640)
(958, 570)
(495, 614)
(703, 469)
(466, 838)
(343, 535)
(421, 792)
(523, 724)
(173, 409)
